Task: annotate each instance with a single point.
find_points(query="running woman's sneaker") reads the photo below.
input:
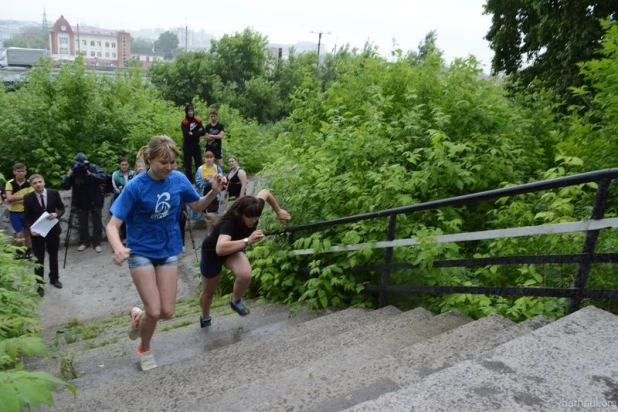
(239, 307)
(205, 321)
(146, 359)
(136, 314)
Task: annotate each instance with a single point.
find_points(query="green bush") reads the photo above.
(19, 336)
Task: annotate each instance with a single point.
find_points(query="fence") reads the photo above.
(584, 260)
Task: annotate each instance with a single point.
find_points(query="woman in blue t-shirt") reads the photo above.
(149, 205)
(226, 244)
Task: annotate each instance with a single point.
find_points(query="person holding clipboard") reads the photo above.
(37, 203)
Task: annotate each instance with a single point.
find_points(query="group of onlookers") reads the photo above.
(146, 223)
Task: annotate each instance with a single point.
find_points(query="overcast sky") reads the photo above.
(460, 24)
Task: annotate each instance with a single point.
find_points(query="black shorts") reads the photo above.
(210, 266)
(216, 150)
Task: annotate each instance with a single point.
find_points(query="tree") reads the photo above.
(290, 74)
(141, 45)
(240, 57)
(546, 39)
(189, 75)
(36, 43)
(428, 46)
(260, 100)
(167, 43)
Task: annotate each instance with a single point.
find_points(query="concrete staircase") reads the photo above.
(361, 360)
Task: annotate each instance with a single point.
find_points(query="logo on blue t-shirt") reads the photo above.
(162, 208)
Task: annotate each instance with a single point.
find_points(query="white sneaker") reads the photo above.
(146, 359)
(136, 314)
(98, 249)
(81, 248)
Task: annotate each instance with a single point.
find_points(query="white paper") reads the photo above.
(43, 225)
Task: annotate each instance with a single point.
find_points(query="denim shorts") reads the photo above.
(136, 261)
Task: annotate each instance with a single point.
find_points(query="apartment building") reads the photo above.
(99, 47)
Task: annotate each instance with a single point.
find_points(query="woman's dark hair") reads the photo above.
(247, 206)
(123, 159)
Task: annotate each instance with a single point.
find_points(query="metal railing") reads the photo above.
(584, 260)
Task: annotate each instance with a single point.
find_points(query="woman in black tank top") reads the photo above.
(237, 180)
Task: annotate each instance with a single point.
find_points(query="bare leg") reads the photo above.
(209, 287)
(157, 288)
(167, 282)
(145, 281)
(239, 264)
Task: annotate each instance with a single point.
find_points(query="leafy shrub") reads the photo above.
(19, 336)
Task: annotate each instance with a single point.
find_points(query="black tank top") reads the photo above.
(234, 185)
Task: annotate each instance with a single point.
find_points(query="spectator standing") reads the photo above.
(192, 129)
(237, 180)
(203, 177)
(35, 203)
(215, 132)
(16, 189)
(86, 179)
(120, 178)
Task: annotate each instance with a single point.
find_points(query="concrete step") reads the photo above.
(98, 365)
(114, 327)
(277, 392)
(570, 364)
(224, 366)
(339, 390)
(95, 287)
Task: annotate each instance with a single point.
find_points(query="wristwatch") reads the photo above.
(246, 240)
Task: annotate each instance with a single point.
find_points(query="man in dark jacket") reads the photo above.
(35, 203)
(86, 179)
(192, 129)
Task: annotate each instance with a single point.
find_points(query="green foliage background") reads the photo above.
(354, 134)
(19, 336)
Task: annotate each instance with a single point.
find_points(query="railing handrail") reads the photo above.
(587, 177)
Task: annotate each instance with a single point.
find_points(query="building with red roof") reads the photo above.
(99, 47)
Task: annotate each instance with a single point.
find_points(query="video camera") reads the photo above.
(81, 166)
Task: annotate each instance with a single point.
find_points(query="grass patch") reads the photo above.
(75, 332)
(68, 367)
(177, 325)
(100, 344)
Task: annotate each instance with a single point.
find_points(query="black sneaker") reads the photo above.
(205, 321)
(239, 308)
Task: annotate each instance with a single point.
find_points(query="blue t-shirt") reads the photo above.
(150, 209)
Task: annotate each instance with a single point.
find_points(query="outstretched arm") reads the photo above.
(268, 197)
(218, 183)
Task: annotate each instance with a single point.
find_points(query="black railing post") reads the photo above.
(388, 259)
(590, 245)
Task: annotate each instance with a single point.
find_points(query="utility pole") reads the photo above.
(320, 33)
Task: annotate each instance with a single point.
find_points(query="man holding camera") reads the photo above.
(87, 197)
